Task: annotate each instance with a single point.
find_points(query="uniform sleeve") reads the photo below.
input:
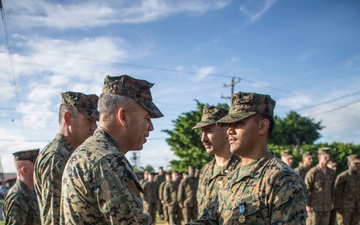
(338, 190)
(309, 182)
(115, 199)
(15, 212)
(289, 200)
(180, 194)
(49, 190)
(200, 193)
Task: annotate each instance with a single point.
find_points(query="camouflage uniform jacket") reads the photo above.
(209, 183)
(302, 171)
(20, 206)
(347, 191)
(187, 192)
(159, 179)
(99, 186)
(320, 189)
(170, 192)
(161, 190)
(48, 171)
(270, 193)
(150, 192)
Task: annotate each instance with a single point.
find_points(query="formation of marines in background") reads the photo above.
(84, 177)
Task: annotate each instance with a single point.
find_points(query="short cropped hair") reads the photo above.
(108, 104)
(67, 108)
(270, 118)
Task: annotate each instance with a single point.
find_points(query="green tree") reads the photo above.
(185, 142)
(295, 130)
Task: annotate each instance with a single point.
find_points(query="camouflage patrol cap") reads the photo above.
(244, 105)
(210, 115)
(139, 90)
(324, 151)
(308, 155)
(287, 154)
(86, 104)
(354, 157)
(30, 155)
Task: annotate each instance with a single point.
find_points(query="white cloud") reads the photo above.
(12, 142)
(254, 10)
(95, 13)
(203, 72)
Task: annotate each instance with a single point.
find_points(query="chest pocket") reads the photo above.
(247, 211)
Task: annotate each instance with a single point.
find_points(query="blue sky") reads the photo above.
(305, 54)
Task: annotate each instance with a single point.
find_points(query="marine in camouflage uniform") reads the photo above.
(162, 196)
(267, 191)
(287, 157)
(170, 199)
(264, 190)
(305, 165)
(159, 179)
(20, 206)
(151, 196)
(187, 196)
(99, 185)
(347, 193)
(215, 142)
(319, 183)
(51, 162)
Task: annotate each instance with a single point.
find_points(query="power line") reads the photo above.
(232, 85)
(337, 108)
(7, 42)
(332, 100)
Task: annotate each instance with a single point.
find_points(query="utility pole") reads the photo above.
(2, 172)
(134, 158)
(232, 84)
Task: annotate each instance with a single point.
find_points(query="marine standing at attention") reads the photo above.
(20, 206)
(77, 118)
(99, 185)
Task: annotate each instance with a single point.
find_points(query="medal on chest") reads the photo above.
(242, 209)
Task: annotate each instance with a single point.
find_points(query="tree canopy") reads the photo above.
(295, 130)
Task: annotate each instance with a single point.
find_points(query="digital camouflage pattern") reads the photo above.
(302, 171)
(151, 197)
(159, 179)
(320, 189)
(210, 182)
(270, 193)
(244, 105)
(30, 155)
(347, 197)
(139, 90)
(170, 199)
(210, 115)
(164, 208)
(325, 151)
(99, 186)
(48, 172)
(86, 104)
(187, 198)
(20, 206)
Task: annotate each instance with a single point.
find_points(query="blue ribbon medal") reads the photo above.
(242, 209)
